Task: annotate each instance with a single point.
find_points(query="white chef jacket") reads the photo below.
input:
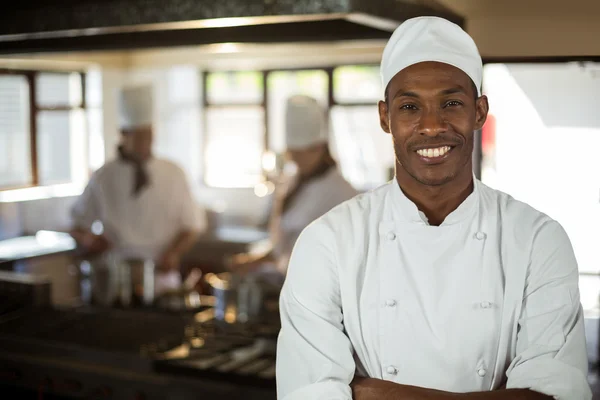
(315, 198)
(489, 298)
(144, 225)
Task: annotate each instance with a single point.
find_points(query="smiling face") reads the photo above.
(432, 112)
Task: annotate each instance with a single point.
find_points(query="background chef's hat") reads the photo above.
(135, 107)
(305, 123)
(431, 39)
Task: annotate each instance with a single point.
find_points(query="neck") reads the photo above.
(436, 202)
(321, 168)
(127, 155)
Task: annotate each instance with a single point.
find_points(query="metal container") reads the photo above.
(186, 297)
(237, 298)
(124, 282)
(136, 283)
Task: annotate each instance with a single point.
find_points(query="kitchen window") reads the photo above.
(234, 124)
(244, 122)
(42, 128)
(364, 151)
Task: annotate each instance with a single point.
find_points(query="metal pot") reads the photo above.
(115, 280)
(186, 297)
(237, 298)
(180, 299)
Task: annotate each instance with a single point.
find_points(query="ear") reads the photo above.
(384, 118)
(481, 111)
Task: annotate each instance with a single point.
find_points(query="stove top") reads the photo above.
(148, 341)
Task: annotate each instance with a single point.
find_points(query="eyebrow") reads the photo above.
(400, 93)
(458, 89)
(445, 92)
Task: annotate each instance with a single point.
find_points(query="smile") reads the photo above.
(435, 152)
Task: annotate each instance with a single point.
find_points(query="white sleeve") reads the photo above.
(192, 216)
(551, 350)
(86, 208)
(314, 356)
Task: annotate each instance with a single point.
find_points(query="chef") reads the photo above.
(315, 187)
(433, 286)
(138, 205)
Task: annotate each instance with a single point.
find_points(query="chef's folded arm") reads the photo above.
(551, 353)
(315, 357)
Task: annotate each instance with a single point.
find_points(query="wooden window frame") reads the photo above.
(34, 109)
(331, 101)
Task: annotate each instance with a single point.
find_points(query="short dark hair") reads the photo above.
(473, 86)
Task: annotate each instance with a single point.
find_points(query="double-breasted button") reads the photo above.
(480, 235)
(391, 370)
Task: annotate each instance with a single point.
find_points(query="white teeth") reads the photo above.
(432, 153)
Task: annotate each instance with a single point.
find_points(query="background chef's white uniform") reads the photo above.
(305, 127)
(141, 226)
(488, 297)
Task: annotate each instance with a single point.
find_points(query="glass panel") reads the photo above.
(281, 86)
(93, 87)
(234, 88)
(357, 84)
(54, 145)
(15, 154)
(96, 138)
(234, 146)
(365, 153)
(58, 90)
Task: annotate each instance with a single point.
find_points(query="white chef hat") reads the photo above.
(135, 107)
(431, 39)
(305, 123)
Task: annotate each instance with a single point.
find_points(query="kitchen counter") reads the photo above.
(43, 243)
(145, 353)
(210, 247)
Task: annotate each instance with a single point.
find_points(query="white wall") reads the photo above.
(547, 130)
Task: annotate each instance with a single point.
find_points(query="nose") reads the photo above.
(432, 123)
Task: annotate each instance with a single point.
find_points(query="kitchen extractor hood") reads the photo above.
(29, 26)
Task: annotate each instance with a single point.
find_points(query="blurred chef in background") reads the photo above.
(315, 187)
(138, 205)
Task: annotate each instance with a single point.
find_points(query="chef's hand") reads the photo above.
(378, 389)
(170, 261)
(93, 244)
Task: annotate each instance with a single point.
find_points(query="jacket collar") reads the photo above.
(403, 209)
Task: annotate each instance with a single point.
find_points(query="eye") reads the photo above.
(408, 107)
(453, 103)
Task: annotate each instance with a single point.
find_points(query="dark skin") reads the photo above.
(433, 105)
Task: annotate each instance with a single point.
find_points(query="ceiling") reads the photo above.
(523, 8)
(68, 25)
